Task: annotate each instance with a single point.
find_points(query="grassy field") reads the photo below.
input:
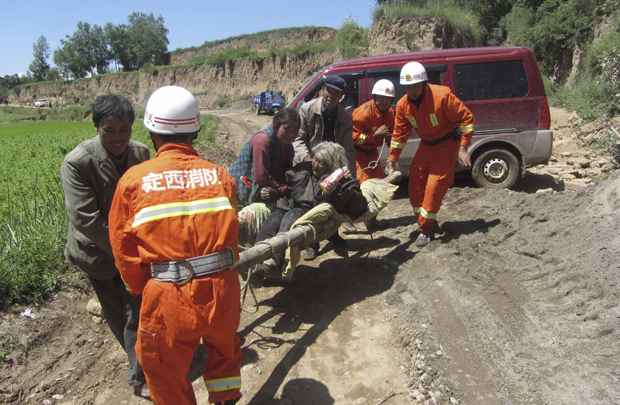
(32, 215)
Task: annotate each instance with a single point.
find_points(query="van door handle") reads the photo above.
(497, 131)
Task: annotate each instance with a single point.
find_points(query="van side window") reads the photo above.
(481, 81)
(434, 77)
(312, 94)
(352, 92)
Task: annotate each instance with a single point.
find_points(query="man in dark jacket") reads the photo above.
(89, 174)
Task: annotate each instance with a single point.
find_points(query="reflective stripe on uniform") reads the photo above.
(396, 145)
(177, 209)
(361, 139)
(412, 121)
(427, 214)
(466, 128)
(224, 384)
(434, 120)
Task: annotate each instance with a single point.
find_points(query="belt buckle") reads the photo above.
(187, 266)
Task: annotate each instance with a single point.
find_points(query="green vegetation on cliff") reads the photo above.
(352, 39)
(255, 38)
(463, 20)
(223, 56)
(558, 31)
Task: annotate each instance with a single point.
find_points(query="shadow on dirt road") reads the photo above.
(317, 297)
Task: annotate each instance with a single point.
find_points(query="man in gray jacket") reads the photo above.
(89, 174)
(325, 119)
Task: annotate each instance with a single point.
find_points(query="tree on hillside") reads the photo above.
(149, 38)
(414, 2)
(9, 82)
(70, 64)
(351, 39)
(54, 74)
(39, 66)
(490, 13)
(143, 40)
(100, 56)
(84, 52)
(119, 45)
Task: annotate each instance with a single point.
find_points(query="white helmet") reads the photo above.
(383, 87)
(412, 73)
(172, 110)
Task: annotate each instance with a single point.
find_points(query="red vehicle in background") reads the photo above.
(502, 86)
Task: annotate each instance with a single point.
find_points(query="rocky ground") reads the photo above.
(577, 159)
(517, 303)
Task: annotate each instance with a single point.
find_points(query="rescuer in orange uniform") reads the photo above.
(445, 126)
(174, 230)
(373, 122)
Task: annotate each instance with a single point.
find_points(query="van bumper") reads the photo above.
(541, 150)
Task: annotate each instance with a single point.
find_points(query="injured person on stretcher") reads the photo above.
(324, 194)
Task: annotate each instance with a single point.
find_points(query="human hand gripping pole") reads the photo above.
(463, 156)
(392, 166)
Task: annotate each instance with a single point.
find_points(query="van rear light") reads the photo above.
(544, 116)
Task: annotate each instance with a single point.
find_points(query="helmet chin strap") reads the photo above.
(155, 140)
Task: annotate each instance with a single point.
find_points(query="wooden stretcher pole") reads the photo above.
(301, 235)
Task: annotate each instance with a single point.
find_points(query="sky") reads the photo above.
(189, 23)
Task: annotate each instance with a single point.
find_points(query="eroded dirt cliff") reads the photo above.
(214, 85)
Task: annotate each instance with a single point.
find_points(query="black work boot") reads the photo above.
(142, 391)
(340, 246)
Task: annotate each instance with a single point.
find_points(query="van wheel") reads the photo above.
(496, 168)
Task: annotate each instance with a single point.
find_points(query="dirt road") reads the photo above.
(516, 304)
(235, 127)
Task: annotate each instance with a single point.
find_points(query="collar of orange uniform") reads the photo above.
(176, 148)
(375, 111)
(373, 108)
(425, 91)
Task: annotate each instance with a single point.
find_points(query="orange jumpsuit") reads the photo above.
(366, 120)
(178, 206)
(436, 114)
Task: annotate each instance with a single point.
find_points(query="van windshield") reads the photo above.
(307, 83)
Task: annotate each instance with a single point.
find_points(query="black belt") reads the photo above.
(181, 271)
(454, 134)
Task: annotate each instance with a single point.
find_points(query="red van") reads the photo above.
(502, 87)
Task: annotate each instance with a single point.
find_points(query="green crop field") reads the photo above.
(33, 222)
